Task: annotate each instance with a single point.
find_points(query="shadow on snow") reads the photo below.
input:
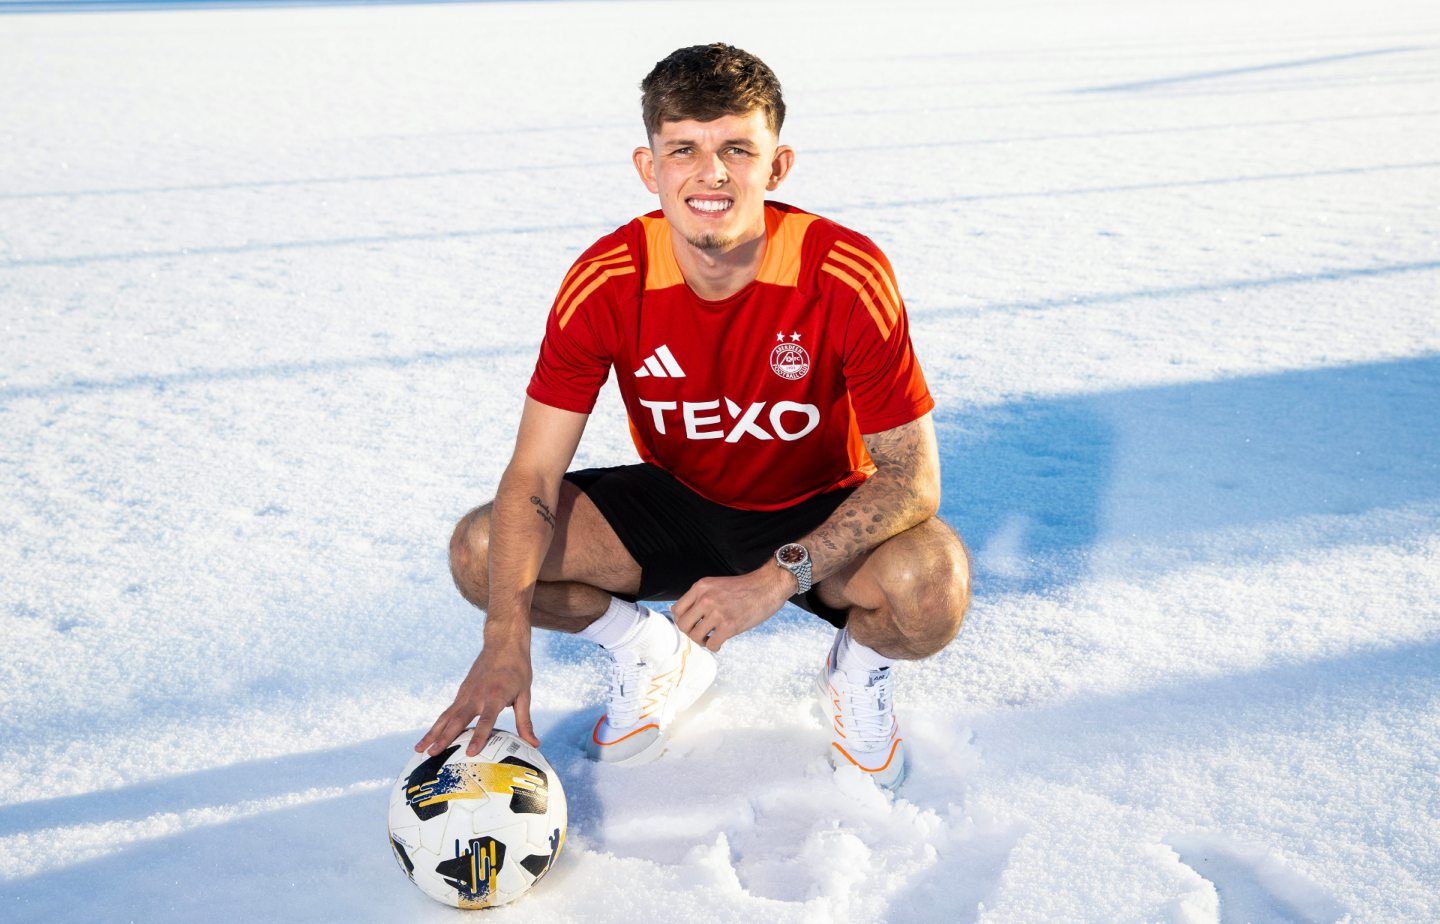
(1199, 76)
(246, 868)
(1034, 484)
(249, 867)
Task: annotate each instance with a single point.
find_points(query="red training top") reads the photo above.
(756, 401)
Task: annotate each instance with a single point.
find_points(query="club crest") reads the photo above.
(789, 359)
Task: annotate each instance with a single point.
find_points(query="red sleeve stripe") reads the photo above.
(858, 278)
(595, 272)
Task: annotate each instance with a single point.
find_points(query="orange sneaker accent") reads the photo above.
(864, 769)
(661, 699)
(656, 686)
(595, 734)
(835, 713)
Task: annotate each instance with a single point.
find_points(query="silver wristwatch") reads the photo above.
(795, 558)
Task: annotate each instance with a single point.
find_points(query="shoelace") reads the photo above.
(625, 696)
(868, 715)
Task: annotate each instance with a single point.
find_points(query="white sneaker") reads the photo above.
(655, 677)
(863, 731)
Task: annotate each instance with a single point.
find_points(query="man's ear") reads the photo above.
(780, 166)
(645, 166)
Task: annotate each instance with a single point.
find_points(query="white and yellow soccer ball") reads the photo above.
(476, 832)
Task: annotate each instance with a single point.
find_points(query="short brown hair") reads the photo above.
(705, 82)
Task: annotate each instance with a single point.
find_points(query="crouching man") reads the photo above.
(783, 423)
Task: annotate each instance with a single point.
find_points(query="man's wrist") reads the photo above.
(786, 580)
(795, 558)
(506, 630)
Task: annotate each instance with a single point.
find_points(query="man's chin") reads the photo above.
(710, 242)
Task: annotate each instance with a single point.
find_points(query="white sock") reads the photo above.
(850, 655)
(620, 621)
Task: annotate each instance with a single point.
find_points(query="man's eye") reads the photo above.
(740, 151)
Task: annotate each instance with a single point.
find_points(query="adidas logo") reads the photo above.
(660, 364)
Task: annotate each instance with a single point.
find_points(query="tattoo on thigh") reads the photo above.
(544, 510)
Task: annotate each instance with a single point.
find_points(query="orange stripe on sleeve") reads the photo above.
(598, 281)
(879, 268)
(590, 269)
(881, 319)
(581, 264)
(892, 311)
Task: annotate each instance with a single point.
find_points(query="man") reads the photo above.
(764, 358)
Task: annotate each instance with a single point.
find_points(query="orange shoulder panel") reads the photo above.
(785, 233)
(662, 270)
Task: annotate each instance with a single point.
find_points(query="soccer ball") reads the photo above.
(476, 832)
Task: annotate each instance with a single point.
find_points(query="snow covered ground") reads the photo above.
(271, 281)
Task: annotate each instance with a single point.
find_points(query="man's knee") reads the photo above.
(929, 591)
(470, 553)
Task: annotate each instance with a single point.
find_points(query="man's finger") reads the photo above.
(432, 737)
(682, 606)
(483, 725)
(523, 726)
(687, 620)
(699, 629)
(445, 731)
(720, 636)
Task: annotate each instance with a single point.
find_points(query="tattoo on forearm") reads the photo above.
(887, 503)
(544, 510)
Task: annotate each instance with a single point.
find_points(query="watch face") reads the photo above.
(792, 554)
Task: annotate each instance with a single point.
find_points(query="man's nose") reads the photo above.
(712, 171)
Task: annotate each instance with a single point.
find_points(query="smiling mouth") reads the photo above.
(710, 205)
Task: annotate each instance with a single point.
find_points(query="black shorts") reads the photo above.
(679, 537)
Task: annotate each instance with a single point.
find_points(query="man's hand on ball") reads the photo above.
(500, 677)
(716, 609)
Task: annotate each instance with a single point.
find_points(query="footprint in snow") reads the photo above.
(1254, 887)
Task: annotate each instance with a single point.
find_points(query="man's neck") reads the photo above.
(717, 274)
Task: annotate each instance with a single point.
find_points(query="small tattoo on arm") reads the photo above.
(544, 511)
(883, 504)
